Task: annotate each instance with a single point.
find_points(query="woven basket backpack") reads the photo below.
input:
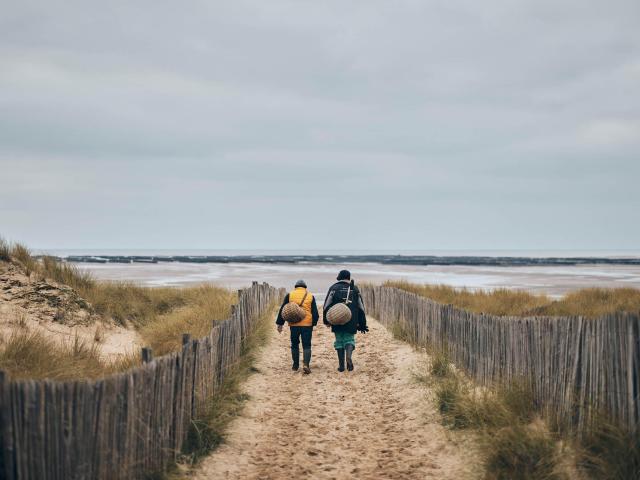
(293, 312)
(340, 313)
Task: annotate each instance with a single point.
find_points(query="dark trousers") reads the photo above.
(298, 333)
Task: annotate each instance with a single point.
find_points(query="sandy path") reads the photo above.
(372, 423)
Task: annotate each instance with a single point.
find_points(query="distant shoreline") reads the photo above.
(426, 260)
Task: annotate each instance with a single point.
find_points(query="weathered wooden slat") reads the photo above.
(576, 367)
(128, 424)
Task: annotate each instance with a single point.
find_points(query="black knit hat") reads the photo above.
(301, 283)
(344, 275)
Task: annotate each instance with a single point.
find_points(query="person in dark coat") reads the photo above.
(345, 342)
(302, 330)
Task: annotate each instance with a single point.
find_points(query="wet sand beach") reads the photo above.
(555, 280)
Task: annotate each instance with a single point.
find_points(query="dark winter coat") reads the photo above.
(338, 294)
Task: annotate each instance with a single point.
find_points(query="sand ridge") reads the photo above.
(372, 423)
(58, 312)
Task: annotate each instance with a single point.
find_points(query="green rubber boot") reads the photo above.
(340, 359)
(349, 349)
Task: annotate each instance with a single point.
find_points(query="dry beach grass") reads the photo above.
(155, 317)
(589, 302)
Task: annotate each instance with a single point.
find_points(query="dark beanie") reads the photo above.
(301, 283)
(344, 275)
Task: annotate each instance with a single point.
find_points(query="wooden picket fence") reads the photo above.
(578, 368)
(125, 425)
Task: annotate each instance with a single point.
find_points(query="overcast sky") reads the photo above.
(320, 124)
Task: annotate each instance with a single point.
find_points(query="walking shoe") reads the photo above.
(306, 369)
(295, 367)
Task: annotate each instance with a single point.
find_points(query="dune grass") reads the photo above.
(5, 250)
(441, 364)
(462, 406)
(590, 302)
(66, 274)
(513, 445)
(522, 452)
(610, 452)
(594, 302)
(203, 305)
(31, 355)
(127, 303)
(514, 441)
(161, 315)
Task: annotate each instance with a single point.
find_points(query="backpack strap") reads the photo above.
(347, 301)
(304, 298)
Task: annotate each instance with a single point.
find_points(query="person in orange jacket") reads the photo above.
(302, 330)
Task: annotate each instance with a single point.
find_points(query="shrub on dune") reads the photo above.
(520, 452)
(610, 452)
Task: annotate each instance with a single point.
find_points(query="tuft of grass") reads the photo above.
(440, 364)
(98, 335)
(400, 332)
(609, 452)
(589, 302)
(448, 395)
(67, 274)
(21, 254)
(21, 319)
(31, 355)
(521, 452)
(5, 250)
(463, 407)
(49, 267)
(517, 398)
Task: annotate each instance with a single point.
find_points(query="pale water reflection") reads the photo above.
(550, 280)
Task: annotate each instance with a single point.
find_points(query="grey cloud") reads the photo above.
(152, 124)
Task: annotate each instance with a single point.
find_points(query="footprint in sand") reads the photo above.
(360, 424)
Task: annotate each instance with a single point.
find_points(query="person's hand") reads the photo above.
(364, 329)
(279, 328)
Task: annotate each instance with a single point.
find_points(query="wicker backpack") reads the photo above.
(293, 312)
(340, 313)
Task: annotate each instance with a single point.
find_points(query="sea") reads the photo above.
(551, 280)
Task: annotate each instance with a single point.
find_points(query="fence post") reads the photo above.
(143, 412)
(5, 441)
(147, 354)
